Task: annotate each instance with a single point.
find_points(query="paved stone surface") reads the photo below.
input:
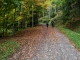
(53, 45)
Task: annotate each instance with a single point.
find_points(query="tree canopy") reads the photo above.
(19, 14)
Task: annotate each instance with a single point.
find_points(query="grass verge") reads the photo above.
(7, 48)
(73, 36)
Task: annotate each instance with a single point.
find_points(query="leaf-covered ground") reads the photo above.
(41, 43)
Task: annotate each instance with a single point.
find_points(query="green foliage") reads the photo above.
(44, 19)
(73, 36)
(14, 14)
(70, 13)
(7, 48)
(70, 9)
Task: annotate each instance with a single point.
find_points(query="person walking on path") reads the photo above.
(52, 23)
(47, 24)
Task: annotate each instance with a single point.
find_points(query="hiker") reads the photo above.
(47, 24)
(52, 23)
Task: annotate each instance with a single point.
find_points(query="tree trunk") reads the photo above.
(25, 24)
(18, 25)
(43, 12)
(32, 18)
(25, 21)
(3, 25)
(13, 26)
(7, 24)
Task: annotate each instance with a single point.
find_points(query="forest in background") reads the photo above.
(70, 17)
(16, 15)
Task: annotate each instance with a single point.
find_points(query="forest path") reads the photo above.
(41, 43)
